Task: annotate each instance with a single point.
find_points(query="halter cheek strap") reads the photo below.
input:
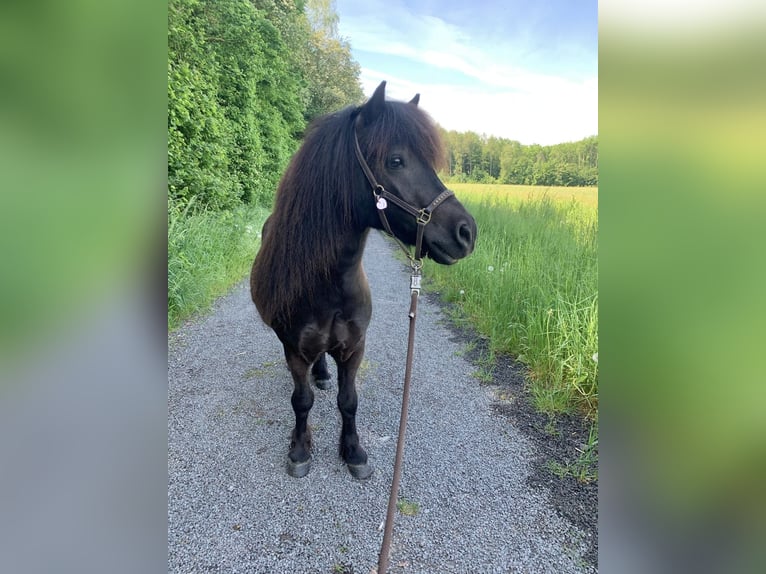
(422, 216)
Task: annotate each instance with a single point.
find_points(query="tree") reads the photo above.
(475, 158)
(332, 74)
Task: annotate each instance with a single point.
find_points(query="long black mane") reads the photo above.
(322, 196)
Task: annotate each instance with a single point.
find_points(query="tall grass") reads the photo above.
(207, 253)
(587, 196)
(531, 287)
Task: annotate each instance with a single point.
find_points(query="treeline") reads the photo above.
(244, 79)
(481, 159)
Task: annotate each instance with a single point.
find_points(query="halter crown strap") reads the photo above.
(383, 196)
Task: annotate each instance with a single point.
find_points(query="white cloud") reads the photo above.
(498, 97)
(567, 113)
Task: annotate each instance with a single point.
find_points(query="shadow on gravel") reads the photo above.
(557, 439)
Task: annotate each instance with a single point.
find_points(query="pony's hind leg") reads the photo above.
(351, 451)
(321, 374)
(299, 455)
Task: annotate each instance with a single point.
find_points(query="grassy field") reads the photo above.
(207, 253)
(531, 286)
(587, 196)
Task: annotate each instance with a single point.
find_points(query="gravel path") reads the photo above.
(233, 508)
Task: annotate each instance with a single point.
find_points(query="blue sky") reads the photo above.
(523, 70)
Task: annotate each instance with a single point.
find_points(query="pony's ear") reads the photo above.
(374, 106)
(414, 101)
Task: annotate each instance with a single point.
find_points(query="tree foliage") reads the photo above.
(333, 74)
(481, 159)
(244, 78)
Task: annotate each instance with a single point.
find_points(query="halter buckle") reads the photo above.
(424, 216)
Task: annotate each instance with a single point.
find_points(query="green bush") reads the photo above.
(234, 112)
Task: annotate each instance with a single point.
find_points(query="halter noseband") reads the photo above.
(382, 197)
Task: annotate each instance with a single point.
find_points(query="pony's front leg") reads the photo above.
(299, 455)
(350, 450)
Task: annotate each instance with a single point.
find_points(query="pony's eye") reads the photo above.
(395, 162)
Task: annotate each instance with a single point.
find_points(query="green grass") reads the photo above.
(208, 252)
(585, 467)
(407, 507)
(531, 287)
(587, 196)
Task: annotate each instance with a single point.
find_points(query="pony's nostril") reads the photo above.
(464, 234)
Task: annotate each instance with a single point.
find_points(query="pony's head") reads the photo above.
(402, 147)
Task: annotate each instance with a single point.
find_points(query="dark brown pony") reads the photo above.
(307, 280)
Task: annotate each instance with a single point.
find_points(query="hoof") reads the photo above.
(323, 384)
(360, 471)
(298, 469)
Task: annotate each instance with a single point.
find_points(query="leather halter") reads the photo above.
(383, 196)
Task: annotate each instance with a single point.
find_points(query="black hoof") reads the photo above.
(323, 384)
(360, 471)
(298, 469)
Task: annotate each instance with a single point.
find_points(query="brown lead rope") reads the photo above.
(385, 547)
(416, 264)
(422, 217)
